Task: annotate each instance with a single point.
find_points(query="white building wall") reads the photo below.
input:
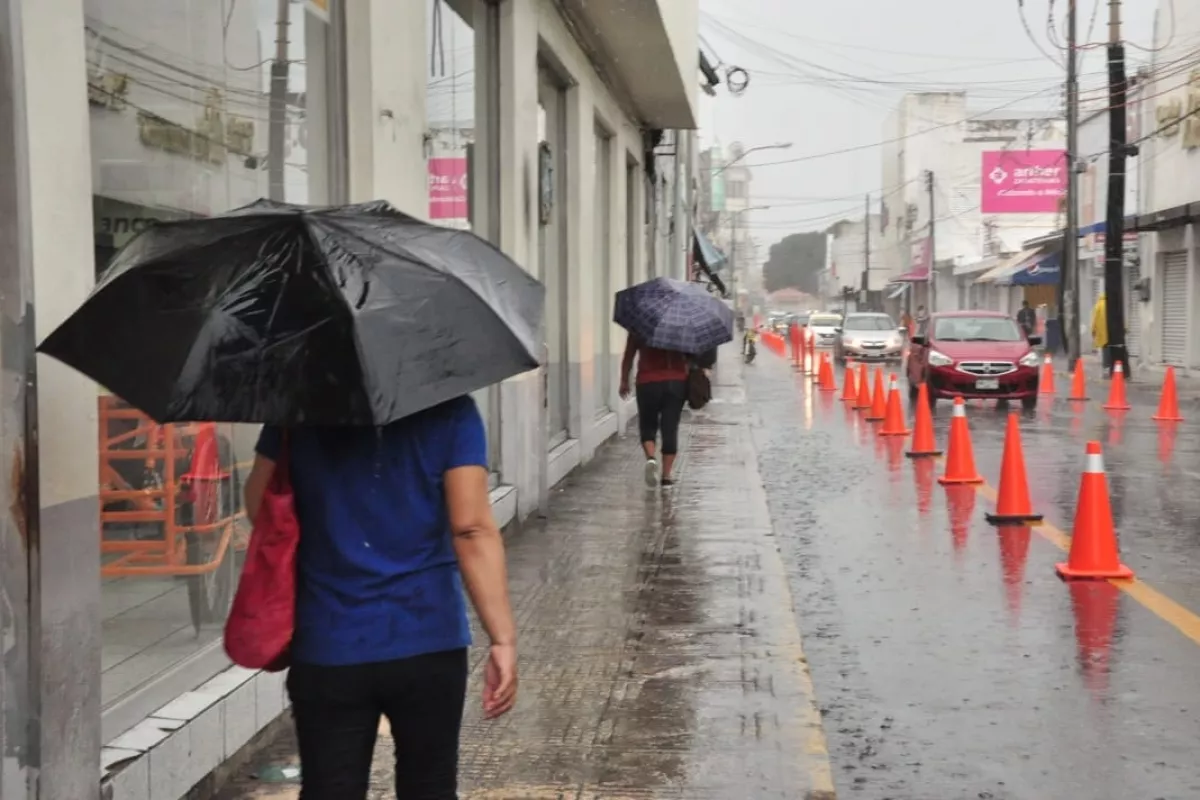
(1170, 170)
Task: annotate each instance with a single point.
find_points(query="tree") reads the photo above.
(796, 262)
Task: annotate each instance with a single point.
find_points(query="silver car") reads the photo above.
(824, 328)
(868, 337)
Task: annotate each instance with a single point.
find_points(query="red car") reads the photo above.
(974, 354)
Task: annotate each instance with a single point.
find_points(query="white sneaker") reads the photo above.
(651, 473)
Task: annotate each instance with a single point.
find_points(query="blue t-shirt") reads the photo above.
(377, 577)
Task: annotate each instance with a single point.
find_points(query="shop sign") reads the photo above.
(208, 141)
(108, 89)
(1023, 181)
(447, 188)
(1182, 114)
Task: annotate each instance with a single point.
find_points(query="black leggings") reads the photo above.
(337, 712)
(660, 405)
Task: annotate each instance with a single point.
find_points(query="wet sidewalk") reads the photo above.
(660, 656)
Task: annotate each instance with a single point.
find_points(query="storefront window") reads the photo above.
(196, 107)
(461, 99)
(602, 233)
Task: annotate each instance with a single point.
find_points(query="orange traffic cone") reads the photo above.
(849, 394)
(1093, 540)
(923, 443)
(878, 409)
(1168, 406)
(1046, 384)
(1116, 392)
(893, 421)
(864, 389)
(825, 379)
(1012, 504)
(1078, 382)
(960, 457)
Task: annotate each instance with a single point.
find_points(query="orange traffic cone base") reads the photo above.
(923, 454)
(1158, 418)
(1120, 572)
(1013, 519)
(944, 481)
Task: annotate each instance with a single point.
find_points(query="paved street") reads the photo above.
(662, 636)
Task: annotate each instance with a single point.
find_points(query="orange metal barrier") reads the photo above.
(168, 505)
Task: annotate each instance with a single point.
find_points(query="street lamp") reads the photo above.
(756, 149)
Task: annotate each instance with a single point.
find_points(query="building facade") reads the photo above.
(1167, 293)
(934, 172)
(541, 125)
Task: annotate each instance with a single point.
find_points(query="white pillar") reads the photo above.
(57, 231)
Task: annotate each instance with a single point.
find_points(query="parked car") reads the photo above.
(975, 354)
(867, 336)
(824, 328)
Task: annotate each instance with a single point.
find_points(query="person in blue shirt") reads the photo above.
(393, 522)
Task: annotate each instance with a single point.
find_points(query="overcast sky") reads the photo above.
(806, 61)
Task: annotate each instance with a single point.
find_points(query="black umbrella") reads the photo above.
(287, 315)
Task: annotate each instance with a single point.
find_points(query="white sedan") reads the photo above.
(824, 328)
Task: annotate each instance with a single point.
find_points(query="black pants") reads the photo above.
(337, 712)
(660, 407)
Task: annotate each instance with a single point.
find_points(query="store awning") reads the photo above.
(976, 267)
(897, 290)
(916, 276)
(706, 253)
(1045, 271)
(1010, 266)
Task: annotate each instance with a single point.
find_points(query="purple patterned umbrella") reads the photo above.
(674, 315)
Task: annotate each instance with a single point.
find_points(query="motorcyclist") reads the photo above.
(748, 348)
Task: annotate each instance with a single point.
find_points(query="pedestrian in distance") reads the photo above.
(661, 391)
(394, 521)
(1027, 319)
(1100, 331)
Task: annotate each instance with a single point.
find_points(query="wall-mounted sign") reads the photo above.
(1182, 114)
(447, 188)
(1023, 181)
(209, 140)
(108, 89)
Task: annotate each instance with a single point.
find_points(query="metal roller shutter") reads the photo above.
(1133, 314)
(1175, 308)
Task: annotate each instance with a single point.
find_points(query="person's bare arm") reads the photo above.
(256, 484)
(480, 551)
(627, 364)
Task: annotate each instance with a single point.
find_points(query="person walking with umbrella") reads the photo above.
(341, 331)
(673, 327)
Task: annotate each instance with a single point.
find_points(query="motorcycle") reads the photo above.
(749, 351)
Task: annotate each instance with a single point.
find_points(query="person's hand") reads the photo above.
(624, 390)
(500, 680)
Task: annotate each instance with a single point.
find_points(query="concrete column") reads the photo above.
(386, 72)
(1193, 288)
(65, 553)
(578, 270)
(522, 399)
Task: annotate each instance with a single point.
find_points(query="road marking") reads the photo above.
(1160, 605)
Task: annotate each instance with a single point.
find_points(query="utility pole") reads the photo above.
(1070, 272)
(866, 273)
(277, 110)
(1114, 236)
(932, 286)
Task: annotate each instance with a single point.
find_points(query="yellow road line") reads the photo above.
(1160, 605)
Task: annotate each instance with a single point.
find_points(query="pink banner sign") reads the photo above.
(1023, 181)
(447, 188)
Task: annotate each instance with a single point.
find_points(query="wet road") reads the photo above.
(949, 660)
